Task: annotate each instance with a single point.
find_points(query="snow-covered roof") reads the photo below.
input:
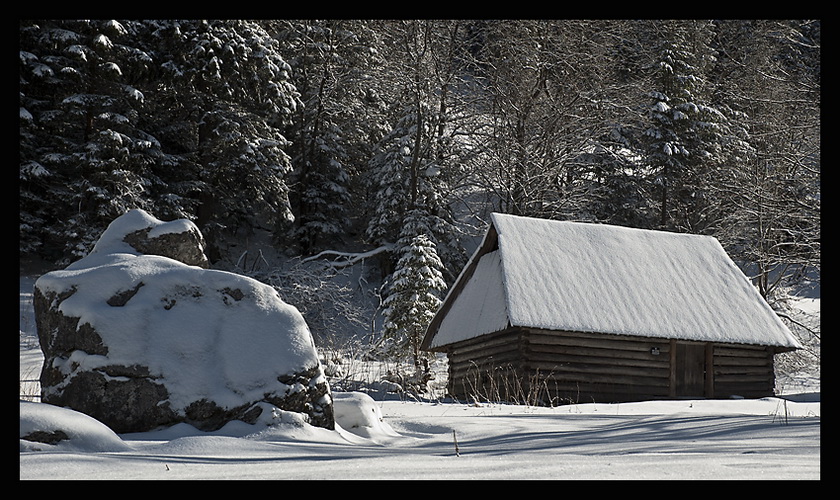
(572, 276)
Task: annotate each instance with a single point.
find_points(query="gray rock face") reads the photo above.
(139, 341)
(186, 247)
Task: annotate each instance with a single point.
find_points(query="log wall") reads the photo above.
(745, 371)
(574, 367)
(487, 368)
(529, 366)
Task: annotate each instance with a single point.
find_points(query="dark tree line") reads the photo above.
(338, 133)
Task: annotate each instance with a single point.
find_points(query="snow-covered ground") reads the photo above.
(771, 438)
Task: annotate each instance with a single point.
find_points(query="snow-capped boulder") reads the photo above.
(139, 341)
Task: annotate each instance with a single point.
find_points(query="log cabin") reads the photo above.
(553, 312)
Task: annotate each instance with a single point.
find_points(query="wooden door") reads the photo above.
(690, 370)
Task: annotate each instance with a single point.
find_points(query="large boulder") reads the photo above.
(139, 335)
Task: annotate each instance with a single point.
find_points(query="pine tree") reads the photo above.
(174, 117)
(222, 96)
(414, 295)
(413, 165)
(322, 191)
(327, 64)
(682, 140)
(394, 179)
(85, 156)
(408, 189)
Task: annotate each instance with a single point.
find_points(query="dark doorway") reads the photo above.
(690, 370)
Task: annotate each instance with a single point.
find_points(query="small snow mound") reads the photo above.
(358, 413)
(83, 432)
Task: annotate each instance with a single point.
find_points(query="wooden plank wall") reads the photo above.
(552, 368)
(487, 368)
(528, 366)
(741, 370)
(576, 367)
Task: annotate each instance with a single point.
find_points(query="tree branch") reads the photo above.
(349, 258)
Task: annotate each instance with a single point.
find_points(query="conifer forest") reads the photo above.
(391, 142)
